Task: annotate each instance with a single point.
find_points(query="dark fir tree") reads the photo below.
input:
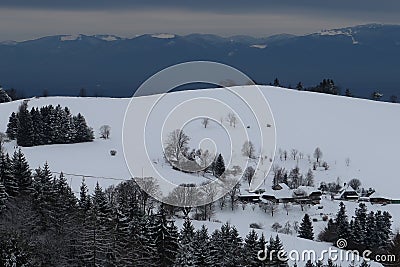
(342, 222)
(359, 232)
(3, 197)
(219, 166)
(250, 250)
(4, 96)
(299, 86)
(165, 236)
(306, 228)
(84, 197)
(371, 237)
(82, 132)
(12, 126)
(6, 175)
(21, 172)
(202, 247)
(25, 126)
(185, 256)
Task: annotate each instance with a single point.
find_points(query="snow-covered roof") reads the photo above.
(384, 195)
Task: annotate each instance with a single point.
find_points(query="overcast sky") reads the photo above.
(27, 19)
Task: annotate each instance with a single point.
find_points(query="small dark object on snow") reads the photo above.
(113, 152)
(268, 125)
(248, 127)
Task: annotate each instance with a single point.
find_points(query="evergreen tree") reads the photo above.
(394, 248)
(342, 223)
(276, 255)
(25, 126)
(348, 93)
(165, 238)
(4, 96)
(383, 229)
(219, 166)
(82, 132)
(329, 234)
(202, 248)
(44, 195)
(226, 246)
(21, 172)
(6, 176)
(309, 264)
(359, 232)
(251, 249)
(371, 237)
(306, 228)
(12, 126)
(299, 86)
(3, 197)
(185, 255)
(84, 200)
(37, 120)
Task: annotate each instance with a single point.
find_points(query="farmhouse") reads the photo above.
(347, 193)
(283, 194)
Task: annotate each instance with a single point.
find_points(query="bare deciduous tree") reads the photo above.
(287, 207)
(355, 183)
(176, 145)
(206, 159)
(276, 226)
(285, 154)
(232, 119)
(233, 186)
(317, 154)
(248, 150)
(205, 122)
(270, 206)
(148, 187)
(294, 153)
(105, 131)
(249, 174)
(184, 196)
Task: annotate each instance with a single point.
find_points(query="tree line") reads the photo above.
(47, 125)
(366, 230)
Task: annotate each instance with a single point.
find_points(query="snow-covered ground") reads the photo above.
(364, 131)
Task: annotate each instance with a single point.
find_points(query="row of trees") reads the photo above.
(43, 223)
(296, 154)
(328, 86)
(47, 125)
(364, 231)
(294, 178)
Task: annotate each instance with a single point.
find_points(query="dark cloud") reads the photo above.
(223, 6)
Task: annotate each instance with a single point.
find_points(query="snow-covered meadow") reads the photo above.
(364, 131)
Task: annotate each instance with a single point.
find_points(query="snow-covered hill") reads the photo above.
(364, 131)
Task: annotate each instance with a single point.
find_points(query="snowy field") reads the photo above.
(364, 131)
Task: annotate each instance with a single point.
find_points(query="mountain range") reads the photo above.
(362, 58)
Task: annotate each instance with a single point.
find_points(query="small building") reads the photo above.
(283, 194)
(347, 193)
(377, 198)
(249, 197)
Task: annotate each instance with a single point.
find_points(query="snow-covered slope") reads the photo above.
(364, 131)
